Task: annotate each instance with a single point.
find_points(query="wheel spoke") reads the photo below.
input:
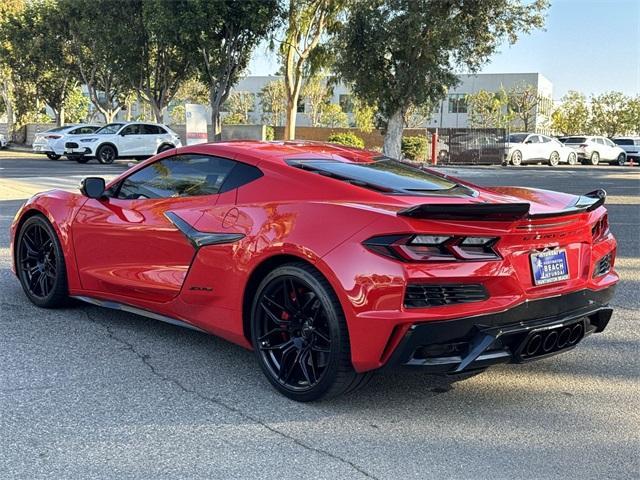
(271, 332)
(277, 347)
(285, 375)
(303, 368)
(322, 336)
(275, 304)
(272, 316)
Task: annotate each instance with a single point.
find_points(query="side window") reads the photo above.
(179, 176)
(544, 139)
(131, 130)
(609, 142)
(149, 130)
(534, 139)
(599, 141)
(83, 130)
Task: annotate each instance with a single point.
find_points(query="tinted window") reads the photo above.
(149, 130)
(533, 139)
(180, 176)
(517, 137)
(131, 130)
(623, 141)
(110, 128)
(575, 140)
(384, 174)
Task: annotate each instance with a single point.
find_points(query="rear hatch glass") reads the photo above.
(385, 175)
(575, 140)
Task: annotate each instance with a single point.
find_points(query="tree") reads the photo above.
(307, 22)
(633, 115)
(364, 115)
(240, 104)
(396, 53)
(333, 117)
(76, 106)
(317, 94)
(489, 109)
(524, 102)
(35, 50)
(191, 90)
(609, 114)
(416, 116)
(154, 54)
(273, 102)
(572, 115)
(225, 33)
(8, 8)
(96, 47)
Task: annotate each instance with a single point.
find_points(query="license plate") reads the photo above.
(549, 266)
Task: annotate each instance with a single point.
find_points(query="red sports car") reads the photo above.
(329, 262)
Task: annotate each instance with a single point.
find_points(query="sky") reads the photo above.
(591, 46)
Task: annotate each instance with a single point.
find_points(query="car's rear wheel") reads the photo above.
(165, 147)
(621, 160)
(53, 156)
(595, 158)
(40, 263)
(106, 154)
(300, 335)
(516, 158)
(572, 159)
(554, 159)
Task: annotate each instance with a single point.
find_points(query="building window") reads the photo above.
(300, 105)
(457, 103)
(345, 103)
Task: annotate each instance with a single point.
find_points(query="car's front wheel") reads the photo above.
(300, 335)
(40, 263)
(106, 154)
(572, 159)
(53, 156)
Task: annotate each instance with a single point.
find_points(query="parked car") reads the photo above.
(51, 142)
(631, 146)
(594, 149)
(533, 147)
(123, 139)
(330, 262)
(3, 141)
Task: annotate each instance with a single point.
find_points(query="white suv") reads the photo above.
(631, 146)
(595, 149)
(123, 139)
(524, 148)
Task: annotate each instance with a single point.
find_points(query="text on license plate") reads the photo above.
(549, 266)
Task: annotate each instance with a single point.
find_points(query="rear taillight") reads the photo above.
(434, 248)
(53, 137)
(600, 229)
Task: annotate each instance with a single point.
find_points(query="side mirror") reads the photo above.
(93, 187)
(122, 133)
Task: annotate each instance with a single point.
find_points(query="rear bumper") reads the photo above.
(530, 331)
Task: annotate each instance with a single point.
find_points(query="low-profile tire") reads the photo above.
(594, 159)
(106, 154)
(554, 159)
(621, 160)
(164, 147)
(40, 263)
(572, 159)
(53, 156)
(300, 335)
(516, 158)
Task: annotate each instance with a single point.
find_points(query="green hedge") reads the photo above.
(348, 139)
(415, 148)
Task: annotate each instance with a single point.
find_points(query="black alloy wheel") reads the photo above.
(40, 263)
(300, 336)
(106, 154)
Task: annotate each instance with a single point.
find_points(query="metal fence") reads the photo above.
(472, 146)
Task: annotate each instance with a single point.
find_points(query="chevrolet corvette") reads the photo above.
(331, 263)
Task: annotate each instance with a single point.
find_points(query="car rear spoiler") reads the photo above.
(500, 211)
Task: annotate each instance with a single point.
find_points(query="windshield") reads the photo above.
(517, 137)
(575, 140)
(384, 174)
(111, 128)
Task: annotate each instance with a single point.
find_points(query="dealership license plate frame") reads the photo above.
(539, 259)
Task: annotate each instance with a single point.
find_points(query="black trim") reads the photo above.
(201, 239)
(477, 342)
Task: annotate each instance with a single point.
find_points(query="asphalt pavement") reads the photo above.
(89, 393)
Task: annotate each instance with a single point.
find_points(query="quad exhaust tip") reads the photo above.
(553, 340)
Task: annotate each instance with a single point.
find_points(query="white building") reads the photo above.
(452, 111)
